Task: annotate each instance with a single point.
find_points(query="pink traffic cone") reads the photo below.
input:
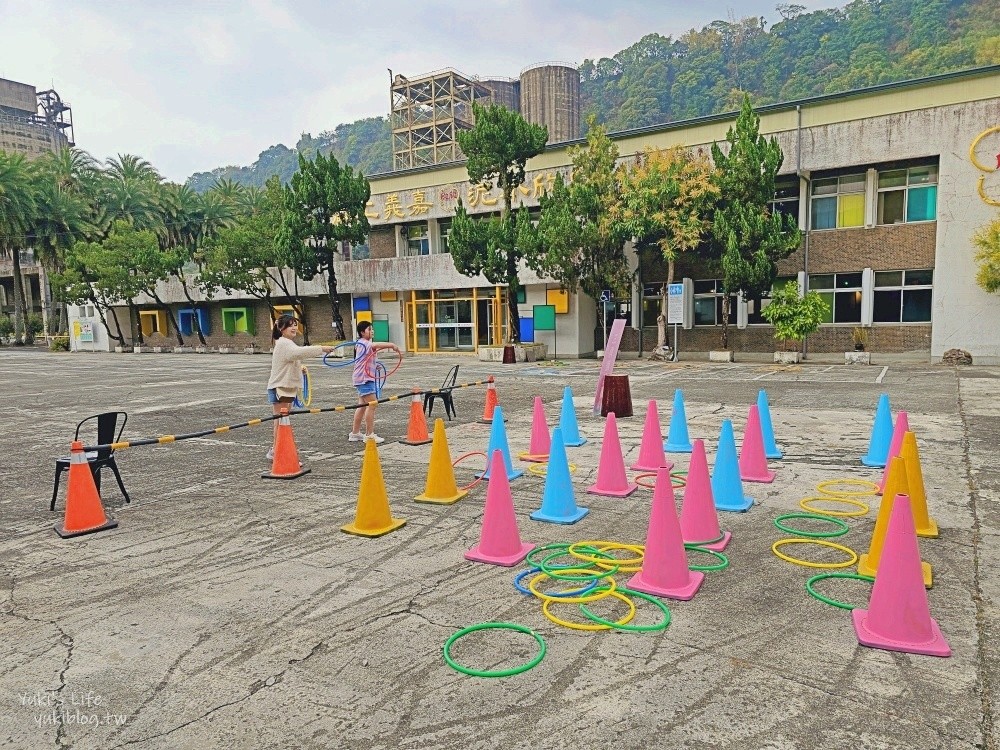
(898, 617)
(664, 568)
(901, 428)
(540, 445)
(611, 479)
(926, 526)
(753, 461)
(651, 455)
(500, 541)
(699, 519)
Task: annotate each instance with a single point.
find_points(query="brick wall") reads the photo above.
(883, 248)
(382, 242)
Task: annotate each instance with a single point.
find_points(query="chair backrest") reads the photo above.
(108, 429)
(450, 378)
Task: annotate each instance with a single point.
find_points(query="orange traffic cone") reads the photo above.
(84, 512)
(373, 517)
(926, 526)
(285, 464)
(895, 484)
(440, 487)
(416, 430)
(491, 401)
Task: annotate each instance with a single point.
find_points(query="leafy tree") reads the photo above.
(18, 206)
(577, 242)
(793, 316)
(325, 205)
(747, 238)
(987, 240)
(497, 149)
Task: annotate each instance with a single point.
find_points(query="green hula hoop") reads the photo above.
(844, 528)
(563, 547)
(827, 600)
(689, 545)
(723, 564)
(662, 625)
(550, 569)
(493, 672)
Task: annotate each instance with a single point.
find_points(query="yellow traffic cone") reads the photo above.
(895, 484)
(373, 517)
(926, 526)
(441, 487)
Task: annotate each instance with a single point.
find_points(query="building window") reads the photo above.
(361, 251)
(652, 304)
(903, 296)
(444, 229)
(907, 195)
(756, 306)
(838, 202)
(786, 198)
(153, 321)
(842, 292)
(708, 303)
(417, 240)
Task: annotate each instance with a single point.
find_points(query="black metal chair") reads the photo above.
(108, 431)
(444, 394)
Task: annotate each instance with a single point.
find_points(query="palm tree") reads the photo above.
(131, 190)
(17, 212)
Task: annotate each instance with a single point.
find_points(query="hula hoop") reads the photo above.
(341, 364)
(870, 491)
(828, 600)
(462, 458)
(373, 358)
(562, 547)
(820, 542)
(532, 456)
(645, 474)
(662, 625)
(842, 529)
(520, 576)
(702, 543)
(862, 508)
(494, 672)
(604, 547)
(600, 593)
(583, 626)
(304, 397)
(542, 469)
(723, 560)
(550, 570)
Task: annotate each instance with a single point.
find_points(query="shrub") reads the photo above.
(792, 316)
(6, 328)
(33, 326)
(59, 344)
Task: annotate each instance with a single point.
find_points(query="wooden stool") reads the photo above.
(616, 396)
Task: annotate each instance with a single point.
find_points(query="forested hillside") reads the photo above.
(660, 79)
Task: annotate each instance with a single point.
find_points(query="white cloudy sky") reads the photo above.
(195, 84)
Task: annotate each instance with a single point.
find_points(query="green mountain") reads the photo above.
(660, 79)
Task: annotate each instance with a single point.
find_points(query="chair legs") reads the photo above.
(114, 468)
(55, 485)
(96, 470)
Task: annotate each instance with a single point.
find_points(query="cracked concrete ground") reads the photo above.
(229, 612)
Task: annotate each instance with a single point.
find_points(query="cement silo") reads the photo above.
(505, 91)
(550, 96)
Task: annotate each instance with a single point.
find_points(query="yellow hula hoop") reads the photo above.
(603, 546)
(822, 543)
(543, 469)
(632, 566)
(871, 489)
(599, 594)
(862, 508)
(591, 626)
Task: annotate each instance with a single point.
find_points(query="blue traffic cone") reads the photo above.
(558, 500)
(878, 446)
(727, 487)
(498, 442)
(771, 449)
(677, 437)
(567, 421)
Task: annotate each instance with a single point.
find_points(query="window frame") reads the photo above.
(423, 240)
(903, 288)
(905, 189)
(838, 194)
(829, 295)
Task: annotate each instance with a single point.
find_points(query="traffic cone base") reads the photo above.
(373, 517)
(681, 593)
(716, 546)
(84, 511)
(930, 531)
(296, 475)
(937, 646)
(507, 561)
(865, 569)
(573, 517)
(440, 488)
(416, 429)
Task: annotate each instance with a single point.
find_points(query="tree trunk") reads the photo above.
(725, 320)
(119, 337)
(331, 285)
(135, 326)
(300, 303)
(194, 306)
(20, 306)
(170, 318)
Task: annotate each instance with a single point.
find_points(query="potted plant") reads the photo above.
(794, 317)
(860, 355)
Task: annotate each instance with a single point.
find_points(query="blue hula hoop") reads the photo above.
(530, 571)
(381, 373)
(348, 363)
(303, 400)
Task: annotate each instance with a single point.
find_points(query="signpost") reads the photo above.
(675, 310)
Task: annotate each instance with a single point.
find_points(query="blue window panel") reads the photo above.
(921, 204)
(185, 321)
(362, 303)
(824, 213)
(203, 321)
(527, 330)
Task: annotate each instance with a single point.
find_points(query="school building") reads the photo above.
(888, 185)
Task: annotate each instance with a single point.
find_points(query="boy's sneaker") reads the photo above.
(356, 437)
(375, 437)
(270, 455)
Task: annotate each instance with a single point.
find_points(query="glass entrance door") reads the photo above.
(452, 319)
(421, 326)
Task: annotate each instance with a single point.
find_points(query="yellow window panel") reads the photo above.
(361, 315)
(851, 211)
(558, 298)
(388, 296)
